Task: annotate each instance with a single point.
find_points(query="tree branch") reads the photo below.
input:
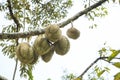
(20, 34)
(12, 15)
(15, 69)
(17, 29)
(89, 67)
(85, 11)
(37, 32)
(94, 62)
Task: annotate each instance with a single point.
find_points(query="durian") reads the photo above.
(62, 46)
(73, 33)
(25, 53)
(53, 32)
(48, 56)
(35, 58)
(41, 45)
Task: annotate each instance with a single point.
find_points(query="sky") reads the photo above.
(83, 51)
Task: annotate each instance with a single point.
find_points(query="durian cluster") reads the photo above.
(45, 45)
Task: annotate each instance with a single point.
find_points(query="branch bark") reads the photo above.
(20, 34)
(37, 32)
(12, 15)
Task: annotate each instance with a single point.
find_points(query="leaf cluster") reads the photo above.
(26, 71)
(31, 14)
(98, 12)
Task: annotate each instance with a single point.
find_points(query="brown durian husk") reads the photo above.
(62, 46)
(36, 56)
(41, 45)
(73, 33)
(53, 32)
(48, 56)
(25, 53)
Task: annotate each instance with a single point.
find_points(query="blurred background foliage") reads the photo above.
(37, 14)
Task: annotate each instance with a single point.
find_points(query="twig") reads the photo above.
(12, 15)
(15, 69)
(18, 25)
(16, 63)
(89, 67)
(37, 32)
(94, 62)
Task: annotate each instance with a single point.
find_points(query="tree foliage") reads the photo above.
(27, 15)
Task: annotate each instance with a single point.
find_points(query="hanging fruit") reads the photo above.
(62, 46)
(41, 45)
(48, 56)
(53, 32)
(73, 33)
(35, 58)
(25, 53)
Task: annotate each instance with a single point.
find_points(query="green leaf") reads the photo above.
(100, 73)
(117, 76)
(107, 69)
(113, 55)
(29, 72)
(78, 78)
(116, 64)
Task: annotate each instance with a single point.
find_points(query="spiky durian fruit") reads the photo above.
(62, 46)
(53, 32)
(48, 56)
(73, 33)
(41, 45)
(25, 53)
